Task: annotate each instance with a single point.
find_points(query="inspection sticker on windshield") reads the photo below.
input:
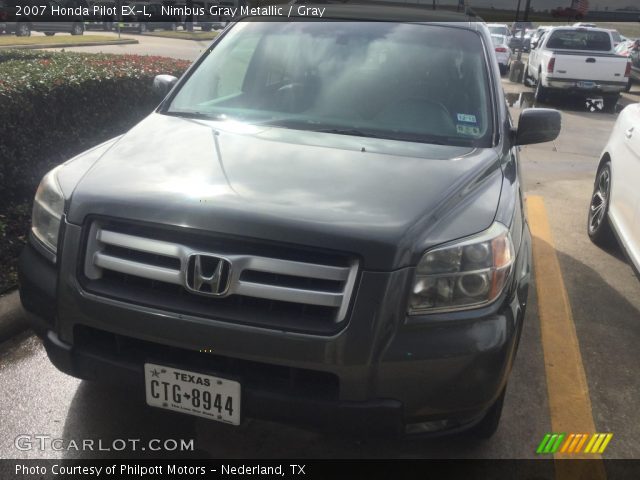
(192, 393)
(468, 130)
(464, 117)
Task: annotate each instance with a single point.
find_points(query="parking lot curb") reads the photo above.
(13, 318)
(68, 45)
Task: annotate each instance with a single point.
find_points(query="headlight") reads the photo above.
(465, 274)
(48, 207)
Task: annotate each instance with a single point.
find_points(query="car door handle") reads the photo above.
(629, 133)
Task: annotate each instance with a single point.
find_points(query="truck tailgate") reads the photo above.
(589, 66)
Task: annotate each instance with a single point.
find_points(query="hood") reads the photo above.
(382, 200)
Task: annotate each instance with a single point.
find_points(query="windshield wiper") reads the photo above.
(198, 115)
(350, 131)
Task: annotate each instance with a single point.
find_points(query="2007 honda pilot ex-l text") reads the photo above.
(322, 223)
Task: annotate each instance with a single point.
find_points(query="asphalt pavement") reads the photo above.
(603, 299)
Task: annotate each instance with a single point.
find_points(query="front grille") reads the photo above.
(265, 285)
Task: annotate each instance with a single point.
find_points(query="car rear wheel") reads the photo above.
(629, 85)
(599, 228)
(610, 102)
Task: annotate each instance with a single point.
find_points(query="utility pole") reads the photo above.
(517, 67)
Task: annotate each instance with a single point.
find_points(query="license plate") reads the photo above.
(192, 393)
(586, 84)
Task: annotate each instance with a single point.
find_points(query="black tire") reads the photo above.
(629, 84)
(77, 29)
(23, 30)
(526, 79)
(541, 94)
(49, 34)
(598, 226)
(609, 102)
(503, 69)
(489, 424)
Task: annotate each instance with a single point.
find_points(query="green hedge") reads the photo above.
(52, 107)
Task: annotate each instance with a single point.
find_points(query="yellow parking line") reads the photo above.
(567, 388)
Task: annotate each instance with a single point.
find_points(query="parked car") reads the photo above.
(522, 25)
(578, 61)
(49, 25)
(503, 52)
(614, 212)
(322, 223)
(499, 29)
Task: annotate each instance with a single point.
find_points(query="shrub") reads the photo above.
(54, 106)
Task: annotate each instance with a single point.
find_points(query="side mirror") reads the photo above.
(162, 84)
(537, 125)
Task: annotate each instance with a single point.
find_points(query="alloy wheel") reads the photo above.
(598, 208)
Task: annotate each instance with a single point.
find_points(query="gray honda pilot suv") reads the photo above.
(322, 223)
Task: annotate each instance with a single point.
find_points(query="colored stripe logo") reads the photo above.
(574, 443)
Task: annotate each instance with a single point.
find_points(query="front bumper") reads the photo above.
(382, 372)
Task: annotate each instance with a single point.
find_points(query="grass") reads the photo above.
(184, 35)
(12, 40)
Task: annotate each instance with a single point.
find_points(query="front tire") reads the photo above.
(526, 78)
(542, 93)
(598, 226)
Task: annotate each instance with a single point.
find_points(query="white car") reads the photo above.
(503, 52)
(615, 204)
(499, 29)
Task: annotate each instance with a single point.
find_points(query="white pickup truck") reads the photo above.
(580, 61)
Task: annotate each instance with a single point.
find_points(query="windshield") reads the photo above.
(580, 40)
(498, 39)
(396, 81)
(499, 29)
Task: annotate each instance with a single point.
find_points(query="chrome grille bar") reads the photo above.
(99, 258)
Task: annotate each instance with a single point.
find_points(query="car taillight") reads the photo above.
(501, 49)
(627, 71)
(551, 64)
